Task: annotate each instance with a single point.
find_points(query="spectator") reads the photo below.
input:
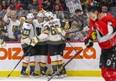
(59, 13)
(78, 29)
(83, 4)
(25, 3)
(22, 13)
(2, 11)
(64, 5)
(33, 5)
(58, 2)
(18, 5)
(12, 25)
(85, 13)
(80, 19)
(0, 8)
(47, 5)
(77, 19)
(13, 4)
(8, 2)
(4, 5)
(74, 34)
(104, 9)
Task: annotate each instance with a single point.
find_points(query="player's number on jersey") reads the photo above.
(53, 31)
(26, 32)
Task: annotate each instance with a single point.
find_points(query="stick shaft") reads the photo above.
(70, 44)
(19, 62)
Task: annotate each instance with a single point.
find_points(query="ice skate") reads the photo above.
(24, 74)
(52, 74)
(33, 74)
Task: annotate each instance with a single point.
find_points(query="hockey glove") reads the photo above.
(25, 41)
(58, 30)
(94, 35)
(32, 42)
(89, 42)
(36, 39)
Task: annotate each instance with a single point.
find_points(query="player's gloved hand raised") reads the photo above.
(89, 42)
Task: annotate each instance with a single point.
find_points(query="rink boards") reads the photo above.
(86, 65)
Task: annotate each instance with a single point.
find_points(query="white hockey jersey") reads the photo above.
(12, 26)
(39, 28)
(27, 33)
(53, 35)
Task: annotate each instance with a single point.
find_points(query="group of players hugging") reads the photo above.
(46, 35)
(43, 35)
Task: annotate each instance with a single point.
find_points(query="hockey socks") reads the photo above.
(24, 67)
(43, 68)
(32, 69)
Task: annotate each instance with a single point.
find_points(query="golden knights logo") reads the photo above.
(15, 28)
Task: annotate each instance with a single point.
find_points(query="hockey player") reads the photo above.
(53, 32)
(105, 27)
(41, 47)
(26, 41)
(12, 25)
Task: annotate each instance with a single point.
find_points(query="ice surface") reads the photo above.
(45, 79)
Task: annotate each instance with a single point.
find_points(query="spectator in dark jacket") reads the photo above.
(25, 3)
(47, 5)
(0, 8)
(80, 18)
(33, 5)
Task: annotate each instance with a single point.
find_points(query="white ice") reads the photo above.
(45, 79)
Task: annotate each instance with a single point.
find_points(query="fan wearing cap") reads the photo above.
(42, 46)
(27, 35)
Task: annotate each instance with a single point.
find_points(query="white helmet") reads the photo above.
(54, 16)
(49, 14)
(30, 16)
(40, 15)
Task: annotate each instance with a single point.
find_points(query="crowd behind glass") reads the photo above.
(78, 24)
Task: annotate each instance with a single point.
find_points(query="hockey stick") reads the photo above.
(70, 44)
(19, 62)
(65, 64)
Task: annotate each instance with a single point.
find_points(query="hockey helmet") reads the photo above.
(40, 15)
(49, 14)
(30, 16)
